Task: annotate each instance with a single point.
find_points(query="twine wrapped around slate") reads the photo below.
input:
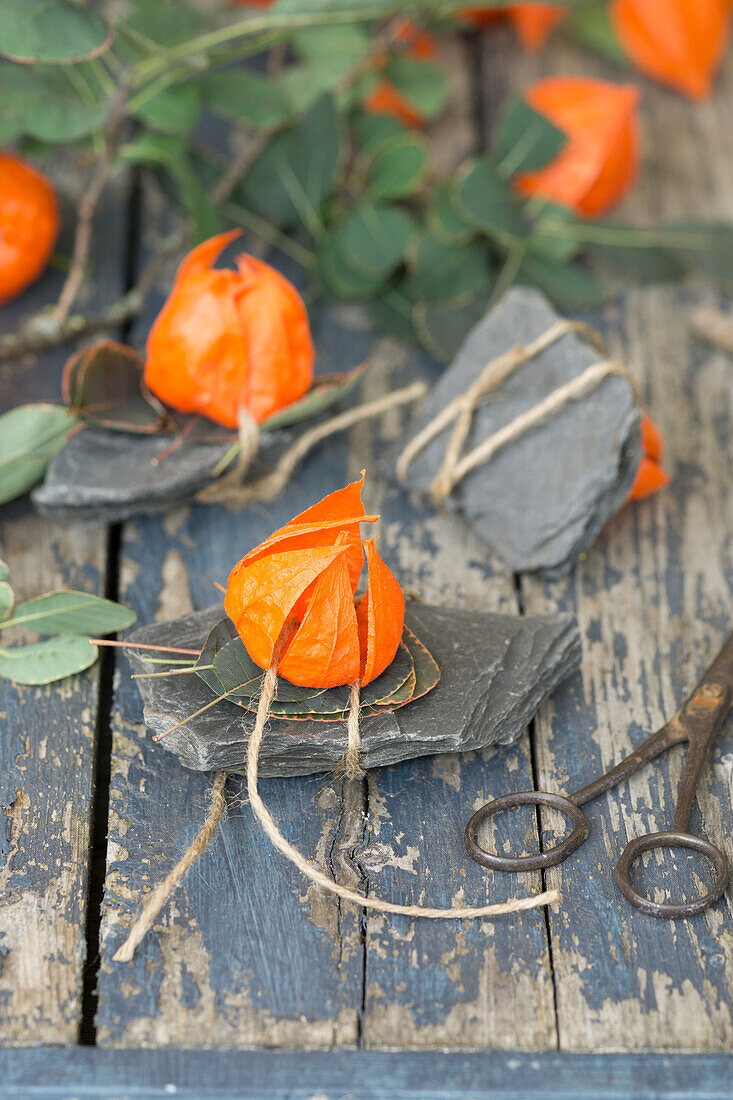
(529, 434)
(494, 670)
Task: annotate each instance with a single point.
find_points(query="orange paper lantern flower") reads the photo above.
(384, 99)
(679, 42)
(306, 574)
(29, 224)
(600, 159)
(229, 340)
(650, 477)
(534, 22)
(416, 41)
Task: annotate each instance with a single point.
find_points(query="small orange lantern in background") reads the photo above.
(29, 224)
(601, 157)
(229, 340)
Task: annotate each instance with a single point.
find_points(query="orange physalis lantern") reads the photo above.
(384, 99)
(534, 22)
(679, 42)
(650, 477)
(306, 575)
(600, 159)
(29, 224)
(229, 340)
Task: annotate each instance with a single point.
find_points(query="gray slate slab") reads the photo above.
(495, 672)
(111, 476)
(544, 497)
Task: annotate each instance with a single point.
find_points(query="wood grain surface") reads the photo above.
(47, 744)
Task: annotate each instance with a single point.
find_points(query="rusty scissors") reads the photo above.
(698, 723)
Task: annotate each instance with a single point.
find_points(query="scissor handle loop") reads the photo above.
(531, 862)
(668, 910)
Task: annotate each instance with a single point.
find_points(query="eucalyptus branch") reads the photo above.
(87, 209)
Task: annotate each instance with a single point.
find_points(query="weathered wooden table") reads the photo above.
(253, 983)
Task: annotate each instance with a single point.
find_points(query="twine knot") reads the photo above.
(460, 411)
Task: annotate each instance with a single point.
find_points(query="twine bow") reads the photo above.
(460, 411)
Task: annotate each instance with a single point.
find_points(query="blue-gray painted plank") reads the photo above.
(47, 739)
(347, 1075)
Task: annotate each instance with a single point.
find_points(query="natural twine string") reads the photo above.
(461, 409)
(291, 853)
(228, 490)
(349, 766)
(157, 898)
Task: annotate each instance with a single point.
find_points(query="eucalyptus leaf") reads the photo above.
(397, 168)
(292, 177)
(338, 276)
(422, 83)
(706, 246)
(245, 96)
(51, 30)
(30, 104)
(392, 311)
(590, 23)
(30, 435)
(4, 571)
(642, 265)
(173, 110)
(441, 272)
(104, 384)
(47, 661)
(486, 202)
(526, 140)
(372, 132)
(159, 26)
(169, 153)
(374, 238)
(442, 327)
(445, 219)
(72, 612)
(567, 285)
(7, 599)
(325, 393)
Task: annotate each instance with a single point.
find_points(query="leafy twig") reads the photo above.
(87, 208)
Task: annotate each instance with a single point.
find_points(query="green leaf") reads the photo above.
(373, 132)
(7, 599)
(44, 662)
(4, 571)
(169, 153)
(31, 105)
(591, 24)
(397, 168)
(422, 83)
(392, 312)
(337, 10)
(526, 140)
(325, 393)
(565, 284)
(445, 220)
(72, 613)
(441, 272)
(442, 327)
(337, 275)
(159, 25)
(486, 202)
(245, 96)
(426, 668)
(642, 265)
(374, 238)
(335, 49)
(30, 436)
(293, 176)
(51, 30)
(705, 246)
(104, 384)
(175, 110)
